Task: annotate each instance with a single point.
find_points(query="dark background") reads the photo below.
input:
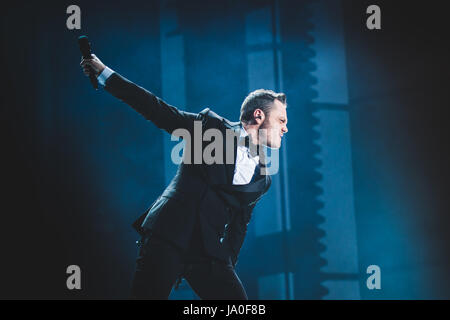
(68, 151)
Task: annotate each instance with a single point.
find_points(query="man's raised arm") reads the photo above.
(151, 107)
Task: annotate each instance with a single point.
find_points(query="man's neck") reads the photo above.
(252, 130)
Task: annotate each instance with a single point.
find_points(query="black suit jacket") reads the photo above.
(197, 190)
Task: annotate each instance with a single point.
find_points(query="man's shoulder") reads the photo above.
(215, 120)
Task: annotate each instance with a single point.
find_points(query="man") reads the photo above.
(196, 228)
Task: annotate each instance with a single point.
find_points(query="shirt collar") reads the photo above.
(242, 134)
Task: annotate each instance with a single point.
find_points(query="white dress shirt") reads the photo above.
(245, 162)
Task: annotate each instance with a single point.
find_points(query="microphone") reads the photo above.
(85, 48)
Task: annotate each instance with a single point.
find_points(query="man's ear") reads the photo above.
(259, 116)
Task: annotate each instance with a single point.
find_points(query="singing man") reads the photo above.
(196, 227)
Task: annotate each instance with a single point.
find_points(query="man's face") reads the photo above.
(275, 124)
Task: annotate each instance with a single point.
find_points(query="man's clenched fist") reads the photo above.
(92, 65)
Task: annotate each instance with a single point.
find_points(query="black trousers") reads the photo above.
(160, 264)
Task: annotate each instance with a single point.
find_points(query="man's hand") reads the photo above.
(92, 65)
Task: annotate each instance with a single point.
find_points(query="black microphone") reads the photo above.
(85, 48)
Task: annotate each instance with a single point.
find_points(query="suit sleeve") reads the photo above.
(236, 231)
(151, 107)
